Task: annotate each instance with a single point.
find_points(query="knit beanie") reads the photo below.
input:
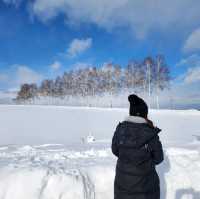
(138, 107)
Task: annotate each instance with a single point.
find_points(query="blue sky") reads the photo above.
(42, 38)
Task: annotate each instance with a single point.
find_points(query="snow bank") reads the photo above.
(40, 173)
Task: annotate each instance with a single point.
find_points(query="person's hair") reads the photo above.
(149, 122)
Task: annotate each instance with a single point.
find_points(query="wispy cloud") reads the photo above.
(78, 46)
(55, 65)
(190, 61)
(17, 75)
(192, 75)
(24, 74)
(193, 42)
(192, 69)
(139, 16)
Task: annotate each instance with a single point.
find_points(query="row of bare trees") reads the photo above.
(147, 75)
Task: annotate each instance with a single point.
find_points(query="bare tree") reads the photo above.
(150, 74)
(27, 91)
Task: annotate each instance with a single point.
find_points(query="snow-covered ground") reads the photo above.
(32, 169)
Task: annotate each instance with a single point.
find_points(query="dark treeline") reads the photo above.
(141, 76)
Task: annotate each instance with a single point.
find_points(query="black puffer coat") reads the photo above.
(138, 149)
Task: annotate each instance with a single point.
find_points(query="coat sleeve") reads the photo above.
(156, 150)
(114, 147)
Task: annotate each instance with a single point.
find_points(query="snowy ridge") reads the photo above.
(43, 173)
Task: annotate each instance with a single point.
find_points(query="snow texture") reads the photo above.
(31, 169)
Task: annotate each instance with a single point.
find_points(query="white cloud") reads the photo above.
(17, 75)
(192, 75)
(25, 74)
(192, 66)
(139, 16)
(191, 61)
(78, 46)
(193, 42)
(56, 65)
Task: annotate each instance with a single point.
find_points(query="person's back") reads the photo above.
(137, 146)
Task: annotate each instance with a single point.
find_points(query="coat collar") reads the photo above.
(135, 119)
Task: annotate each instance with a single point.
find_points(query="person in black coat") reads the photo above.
(138, 148)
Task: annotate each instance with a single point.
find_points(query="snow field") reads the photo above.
(32, 169)
(66, 125)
